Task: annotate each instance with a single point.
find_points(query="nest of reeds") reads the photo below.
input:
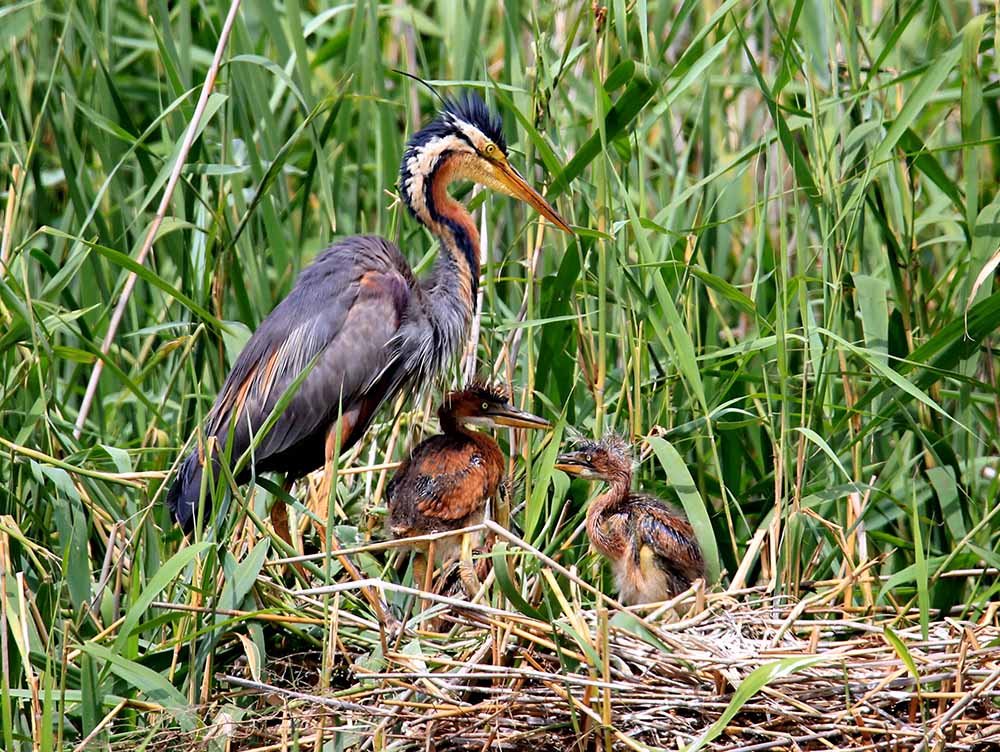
(713, 672)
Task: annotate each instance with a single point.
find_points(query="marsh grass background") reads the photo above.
(788, 228)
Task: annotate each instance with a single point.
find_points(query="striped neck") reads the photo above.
(451, 222)
(428, 168)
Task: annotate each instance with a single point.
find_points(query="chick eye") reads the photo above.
(589, 458)
(486, 406)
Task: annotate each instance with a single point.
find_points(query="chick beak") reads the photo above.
(571, 463)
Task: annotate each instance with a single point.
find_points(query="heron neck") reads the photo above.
(449, 422)
(458, 267)
(600, 507)
(447, 300)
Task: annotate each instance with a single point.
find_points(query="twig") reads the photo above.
(8, 220)
(72, 469)
(958, 707)
(112, 714)
(328, 702)
(382, 545)
(382, 584)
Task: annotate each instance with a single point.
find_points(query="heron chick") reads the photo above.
(652, 547)
(446, 481)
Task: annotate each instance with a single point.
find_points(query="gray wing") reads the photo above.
(345, 308)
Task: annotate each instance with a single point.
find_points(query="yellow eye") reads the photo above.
(486, 406)
(589, 458)
(491, 150)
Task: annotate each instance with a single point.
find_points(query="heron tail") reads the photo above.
(182, 499)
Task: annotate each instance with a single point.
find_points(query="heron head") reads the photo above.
(481, 404)
(607, 459)
(464, 142)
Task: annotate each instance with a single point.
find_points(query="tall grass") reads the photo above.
(783, 276)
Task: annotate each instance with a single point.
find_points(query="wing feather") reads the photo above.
(671, 538)
(345, 308)
(445, 479)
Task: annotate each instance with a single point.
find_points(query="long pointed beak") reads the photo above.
(570, 463)
(511, 417)
(519, 188)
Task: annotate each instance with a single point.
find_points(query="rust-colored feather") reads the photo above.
(460, 481)
(445, 483)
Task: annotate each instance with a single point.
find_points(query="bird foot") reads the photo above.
(393, 627)
(483, 565)
(470, 579)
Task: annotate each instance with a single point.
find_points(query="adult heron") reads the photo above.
(359, 319)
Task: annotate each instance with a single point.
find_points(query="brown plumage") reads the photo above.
(651, 546)
(448, 478)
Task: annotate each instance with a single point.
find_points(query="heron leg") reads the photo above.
(330, 543)
(427, 576)
(501, 503)
(422, 574)
(419, 568)
(485, 563)
(279, 521)
(466, 567)
(319, 504)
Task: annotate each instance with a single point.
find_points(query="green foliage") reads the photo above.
(785, 211)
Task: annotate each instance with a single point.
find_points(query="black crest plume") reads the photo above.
(468, 108)
(472, 109)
